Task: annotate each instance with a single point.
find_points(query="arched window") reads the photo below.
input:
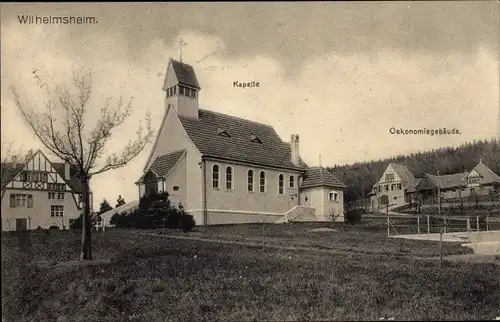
(281, 184)
(262, 185)
(291, 182)
(250, 180)
(215, 176)
(229, 178)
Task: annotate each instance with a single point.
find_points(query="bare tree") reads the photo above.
(69, 139)
(11, 163)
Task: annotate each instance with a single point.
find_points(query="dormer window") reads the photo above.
(222, 132)
(255, 139)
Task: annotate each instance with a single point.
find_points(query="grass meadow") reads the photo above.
(362, 275)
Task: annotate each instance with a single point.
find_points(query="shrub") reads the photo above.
(77, 223)
(155, 211)
(187, 222)
(354, 216)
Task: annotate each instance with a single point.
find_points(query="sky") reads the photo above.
(340, 75)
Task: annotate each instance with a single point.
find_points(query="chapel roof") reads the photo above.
(320, 177)
(243, 140)
(164, 163)
(185, 74)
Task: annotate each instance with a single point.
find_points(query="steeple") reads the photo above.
(182, 89)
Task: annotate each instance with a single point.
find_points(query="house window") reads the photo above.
(333, 196)
(60, 195)
(262, 185)
(22, 176)
(21, 200)
(56, 211)
(229, 178)
(386, 187)
(51, 186)
(250, 180)
(52, 195)
(181, 90)
(61, 186)
(281, 184)
(291, 182)
(399, 186)
(36, 176)
(215, 176)
(389, 177)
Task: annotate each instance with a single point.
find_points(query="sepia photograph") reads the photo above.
(250, 161)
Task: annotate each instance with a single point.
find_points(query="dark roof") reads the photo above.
(487, 175)
(272, 152)
(185, 74)
(9, 172)
(403, 172)
(164, 163)
(448, 181)
(412, 186)
(74, 183)
(320, 177)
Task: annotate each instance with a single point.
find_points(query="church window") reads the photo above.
(229, 178)
(281, 184)
(250, 180)
(389, 177)
(215, 176)
(399, 186)
(262, 183)
(176, 188)
(291, 182)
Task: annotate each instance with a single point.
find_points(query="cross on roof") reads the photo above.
(181, 42)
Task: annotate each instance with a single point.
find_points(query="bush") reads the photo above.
(354, 216)
(187, 222)
(155, 211)
(77, 223)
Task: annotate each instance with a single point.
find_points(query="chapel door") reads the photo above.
(21, 224)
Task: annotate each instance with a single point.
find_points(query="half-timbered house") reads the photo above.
(39, 193)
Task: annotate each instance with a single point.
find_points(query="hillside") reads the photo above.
(360, 177)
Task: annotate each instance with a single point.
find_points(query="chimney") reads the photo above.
(66, 171)
(294, 145)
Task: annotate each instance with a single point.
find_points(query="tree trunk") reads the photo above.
(86, 252)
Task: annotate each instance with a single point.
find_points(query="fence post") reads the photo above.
(428, 225)
(445, 225)
(477, 227)
(487, 224)
(441, 247)
(388, 223)
(418, 225)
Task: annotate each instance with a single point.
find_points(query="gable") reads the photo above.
(241, 145)
(40, 166)
(170, 137)
(473, 174)
(162, 165)
(391, 171)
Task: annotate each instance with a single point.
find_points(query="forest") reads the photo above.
(361, 176)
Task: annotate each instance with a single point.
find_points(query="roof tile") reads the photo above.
(271, 152)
